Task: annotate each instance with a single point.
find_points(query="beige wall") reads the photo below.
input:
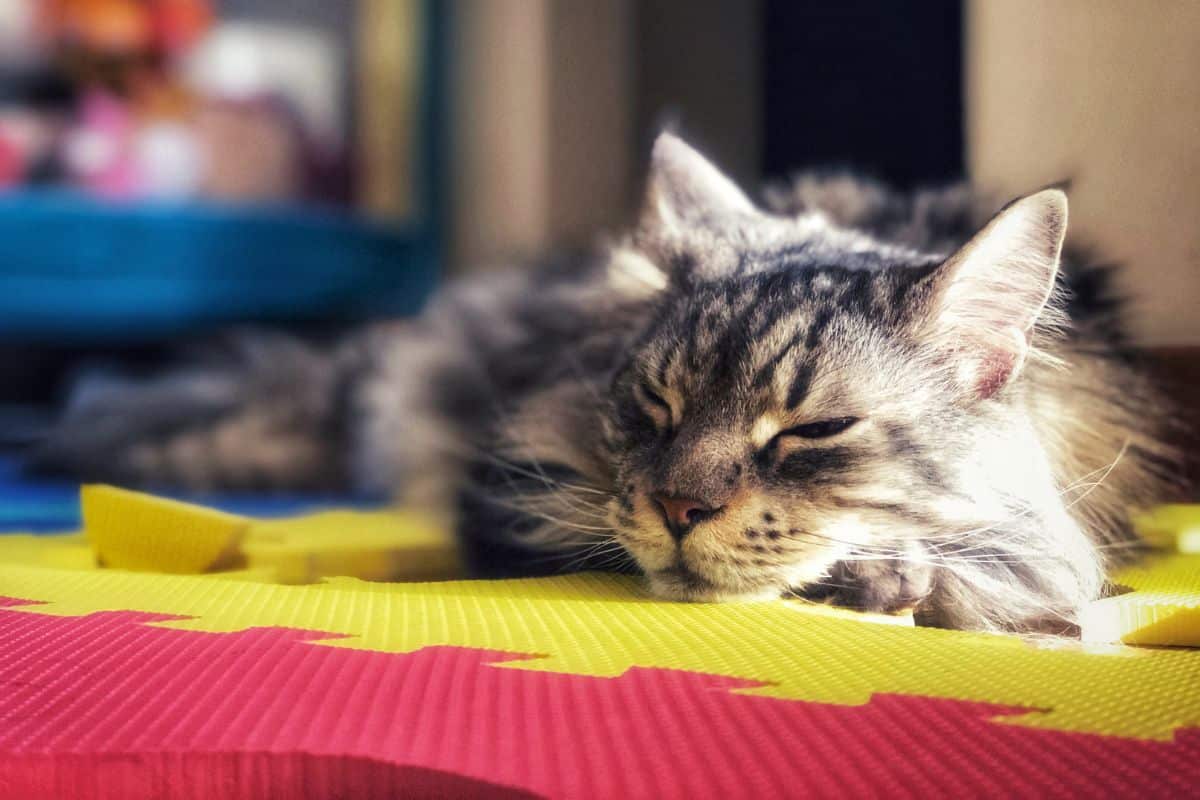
(555, 101)
(541, 121)
(498, 126)
(1107, 94)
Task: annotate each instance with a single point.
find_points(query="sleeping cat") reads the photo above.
(880, 400)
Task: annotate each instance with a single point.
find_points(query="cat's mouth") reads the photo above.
(686, 577)
(681, 582)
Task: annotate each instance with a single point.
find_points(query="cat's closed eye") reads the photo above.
(821, 429)
(654, 404)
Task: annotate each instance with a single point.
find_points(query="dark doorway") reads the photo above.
(871, 84)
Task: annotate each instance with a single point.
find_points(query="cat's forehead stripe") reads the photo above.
(766, 374)
(763, 331)
(799, 385)
(816, 330)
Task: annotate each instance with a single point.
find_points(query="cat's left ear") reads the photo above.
(987, 297)
(684, 190)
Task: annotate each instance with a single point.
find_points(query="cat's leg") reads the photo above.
(1033, 575)
(888, 586)
(1006, 594)
(1022, 596)
(266, 412)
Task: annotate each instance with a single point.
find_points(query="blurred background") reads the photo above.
(170, 166)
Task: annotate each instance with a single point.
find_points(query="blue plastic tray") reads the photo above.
(72, 267)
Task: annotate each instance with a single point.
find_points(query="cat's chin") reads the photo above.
(682, 584)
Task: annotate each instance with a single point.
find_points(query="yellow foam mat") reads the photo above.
(1161, 603)
(137, 531)
(69, 551)
(602, 625)
(1171, 527)
(375, 545)
(142, 532)
(1162, 608)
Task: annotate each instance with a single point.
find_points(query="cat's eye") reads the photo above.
(654, 405)
(820, 430)
(655, 400)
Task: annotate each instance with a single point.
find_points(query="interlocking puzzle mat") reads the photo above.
(141, 532)
(116, 683)
(1161, 606)
(1160, 599)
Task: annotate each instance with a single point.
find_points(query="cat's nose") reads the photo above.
(683, 513)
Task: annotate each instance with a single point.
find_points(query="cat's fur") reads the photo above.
(852, 406)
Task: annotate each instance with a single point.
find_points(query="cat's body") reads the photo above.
(741, 405)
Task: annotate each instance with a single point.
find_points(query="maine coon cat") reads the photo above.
(879, 399)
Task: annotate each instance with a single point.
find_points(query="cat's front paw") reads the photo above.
(879, 586)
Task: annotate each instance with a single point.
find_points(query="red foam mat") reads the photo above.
(105, 706)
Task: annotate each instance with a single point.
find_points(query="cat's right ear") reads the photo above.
(985, 299)
(685, 191)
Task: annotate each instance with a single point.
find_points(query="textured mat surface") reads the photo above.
(120, 684)
(565, 687)
(264, 713)
(1161, 606)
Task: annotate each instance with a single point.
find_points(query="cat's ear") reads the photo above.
(987, 297)
(685, 190)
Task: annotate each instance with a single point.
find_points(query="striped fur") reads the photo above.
(866, 407)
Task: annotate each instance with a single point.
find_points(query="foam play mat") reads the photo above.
(242, 662)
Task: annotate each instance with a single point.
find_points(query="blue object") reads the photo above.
(38, 505)
(76, 268)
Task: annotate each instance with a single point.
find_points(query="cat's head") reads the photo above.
(805, 392)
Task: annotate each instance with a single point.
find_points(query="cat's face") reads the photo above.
(800, 398)
(768, 425)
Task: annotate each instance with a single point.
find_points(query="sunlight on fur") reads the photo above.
(874, 399)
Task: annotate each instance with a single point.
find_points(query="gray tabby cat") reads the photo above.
(847, 397)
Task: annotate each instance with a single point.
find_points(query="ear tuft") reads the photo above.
(684, 189)
(988, 296)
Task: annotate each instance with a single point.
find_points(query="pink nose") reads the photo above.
(683, 512)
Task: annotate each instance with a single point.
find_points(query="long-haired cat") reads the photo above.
(883, 400)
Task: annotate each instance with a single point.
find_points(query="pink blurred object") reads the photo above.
(253, 152)
(27, 137)
(12, 165)
(115, 154)
(98, 151)
(271, 122)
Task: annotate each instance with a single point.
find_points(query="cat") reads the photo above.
(881, 400)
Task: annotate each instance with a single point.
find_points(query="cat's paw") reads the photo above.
(878, 586)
